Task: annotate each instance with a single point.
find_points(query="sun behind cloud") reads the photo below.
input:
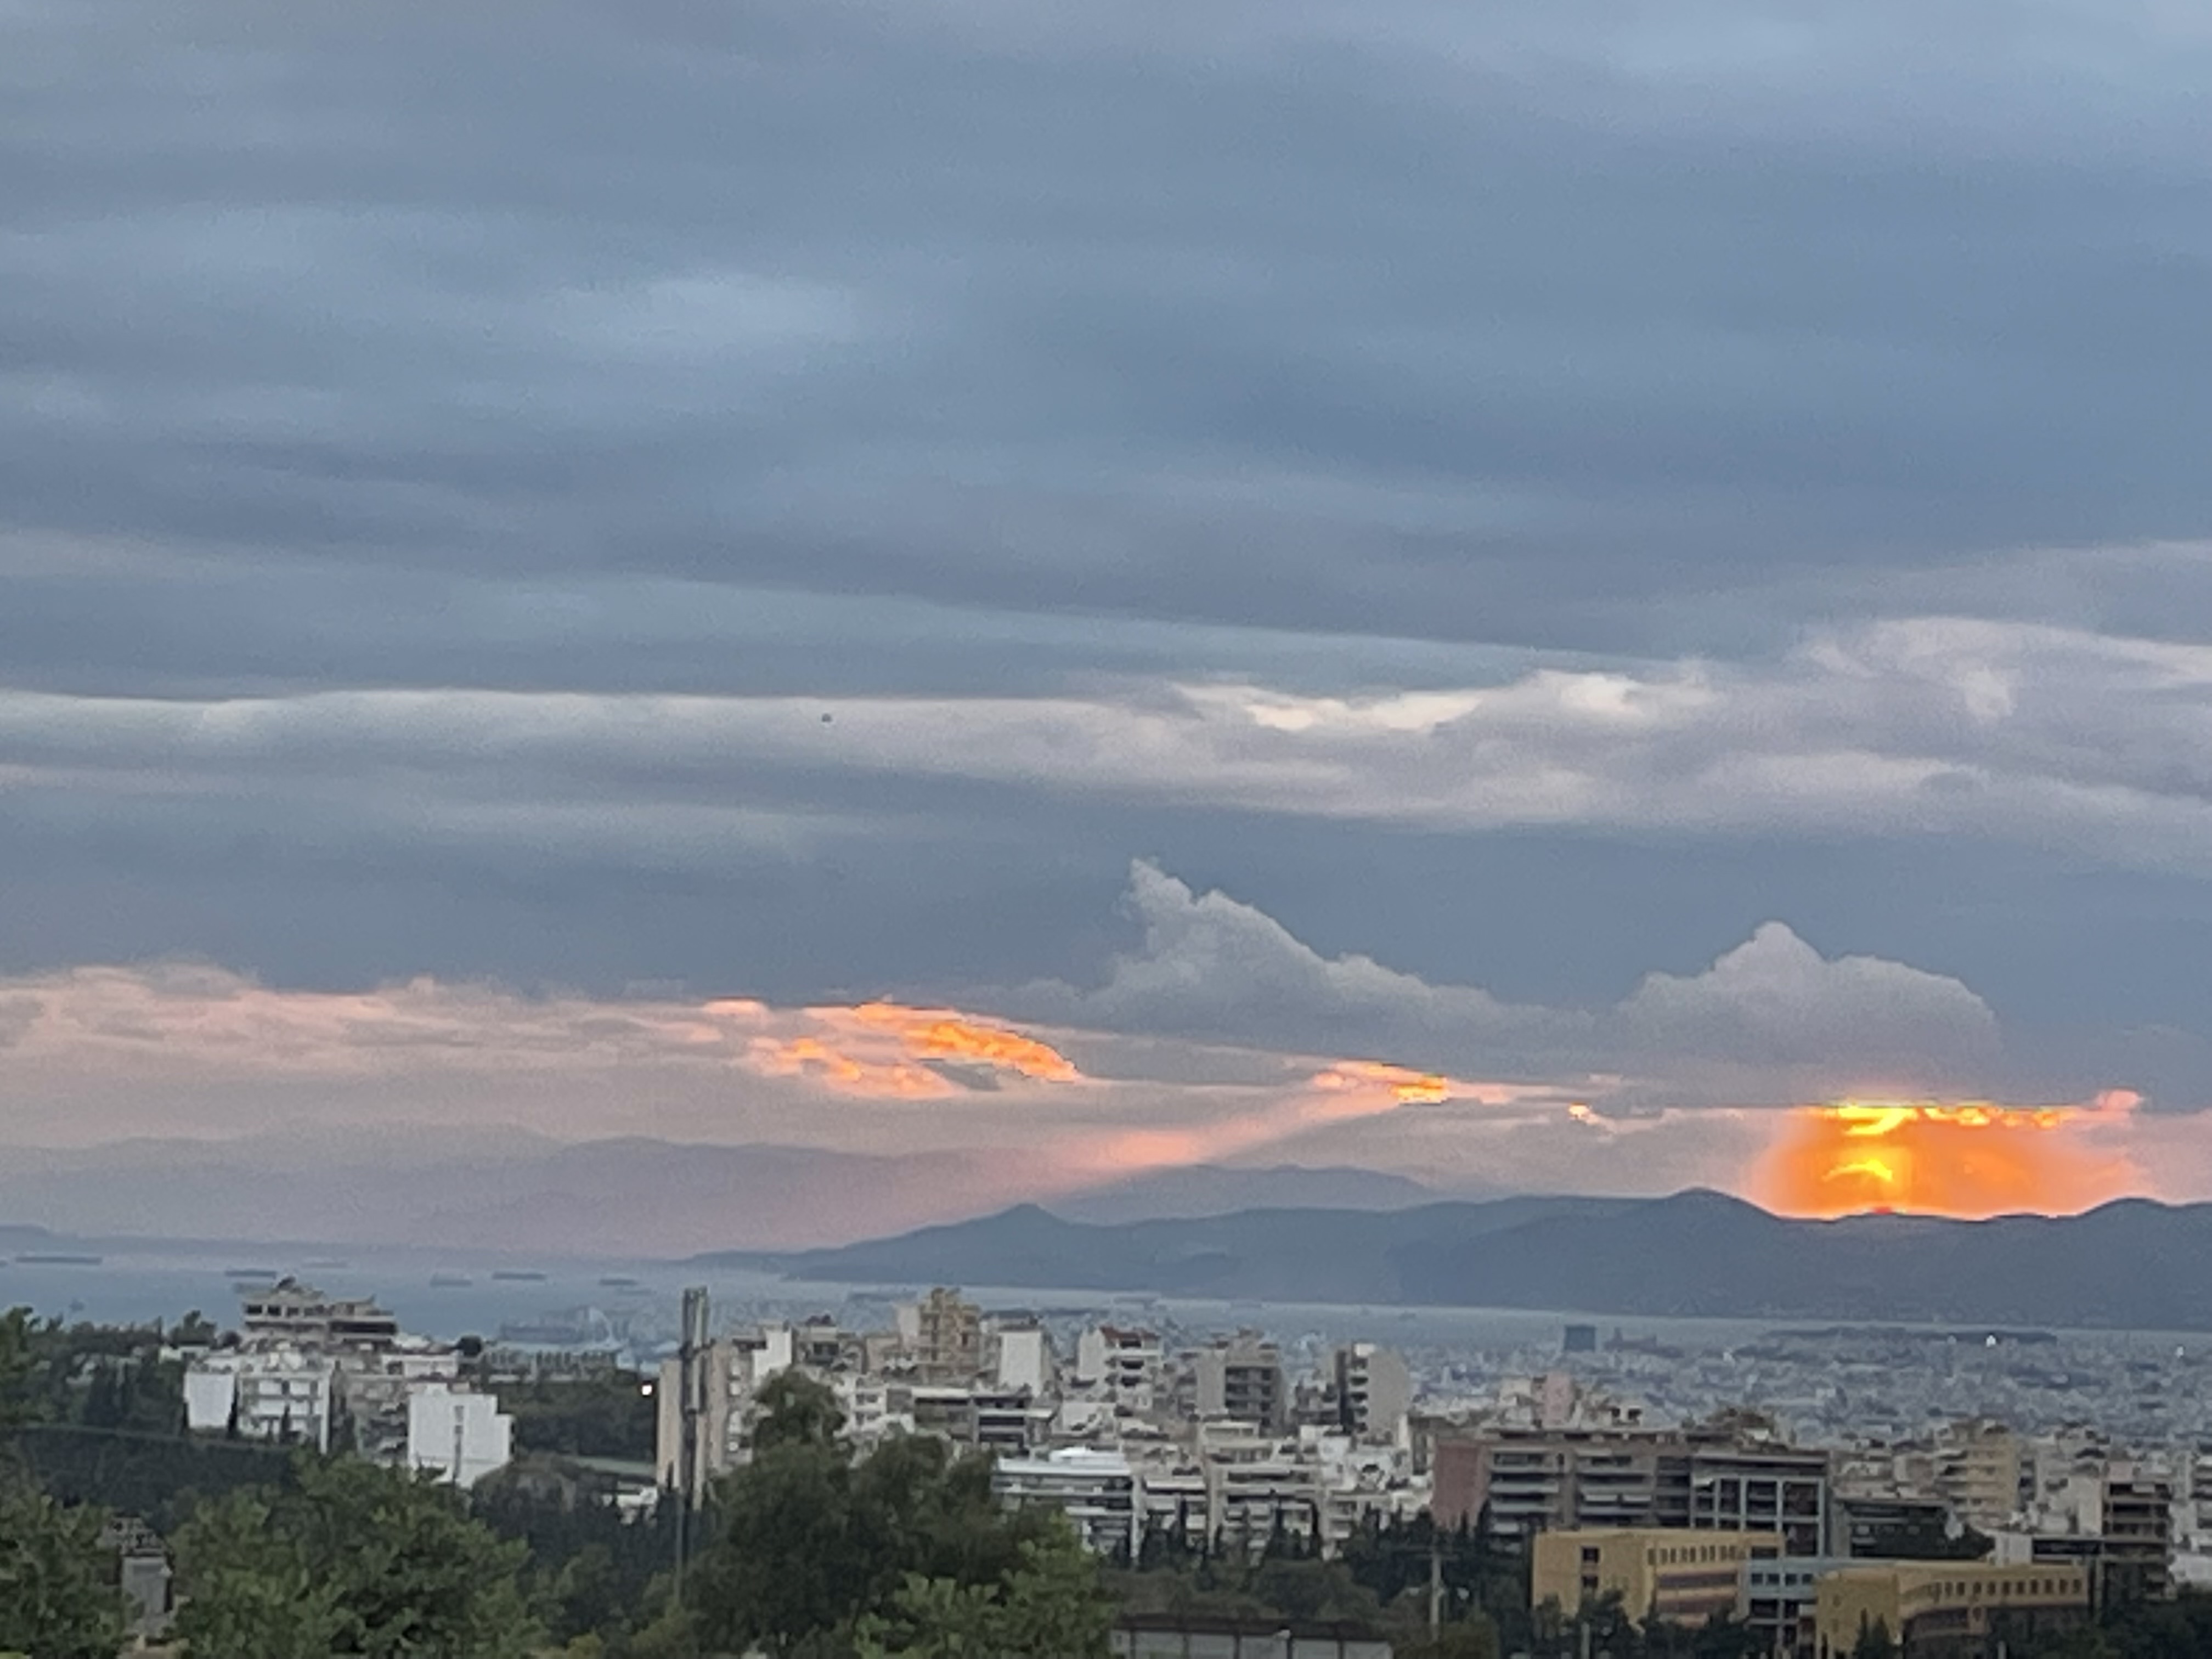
(1968, 1158)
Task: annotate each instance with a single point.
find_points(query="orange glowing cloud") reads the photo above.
(880, 1050)
(847, 1073)
(944, 1034)
(1408, 1088)
(1969, 1159)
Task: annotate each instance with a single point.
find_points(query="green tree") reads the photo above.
(355, 1559)
(1051, 1606)
(785, 1566)
(1463, 1638)
(17, 1407)
(807, 1544)
(57, 1594)
(796, 1410)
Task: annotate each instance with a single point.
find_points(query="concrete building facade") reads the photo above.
(1683, 1578)
(458, 1436)
(1945, 1609)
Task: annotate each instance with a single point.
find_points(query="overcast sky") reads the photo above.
(1655, 557)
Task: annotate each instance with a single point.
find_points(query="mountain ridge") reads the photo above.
(2133, 1263)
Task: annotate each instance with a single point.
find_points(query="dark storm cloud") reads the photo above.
(1434, 318)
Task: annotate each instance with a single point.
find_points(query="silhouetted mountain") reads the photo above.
(1201, 1189)
(2134, 1264)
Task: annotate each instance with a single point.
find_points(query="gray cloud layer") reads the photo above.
(1526, 493)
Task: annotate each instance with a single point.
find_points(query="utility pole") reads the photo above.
(690, 1402)
(1436, 1581)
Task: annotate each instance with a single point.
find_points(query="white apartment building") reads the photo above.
(1098, 1491)
(459, 1436)
(278, 1393)
(1127, 1363)
(1022, 1359)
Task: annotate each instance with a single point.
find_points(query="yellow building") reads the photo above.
(1682, 1576)
(1935, 1609)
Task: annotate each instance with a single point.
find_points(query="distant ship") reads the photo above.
(620, 1282)
(267, 1276)
(526, 1275)
(448, 1281)
(44, 1260)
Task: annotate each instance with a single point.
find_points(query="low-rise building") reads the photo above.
(1683, 1578)
(277, 1393)
(1945, 1609)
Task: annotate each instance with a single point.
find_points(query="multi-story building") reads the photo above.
(2116, 1523)
(1762, 1488)
(1779, 1599)
(459, 1436)
(1240, 1378)
(1374, 1390)
(1530, 1480)
(1009, 1421)
(1945, 1609)
(1127, 1363)
(1683, 1578)
(729, 1371)
(1979, 1471)
(1021, 1358)
(289, 1311)
(375, 1384)
(2137, 1560)
(947, 1343)
(1098, 1491)
(277, 1392)
(1870, 1526)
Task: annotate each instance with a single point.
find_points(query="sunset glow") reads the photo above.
(1967, 1159)
(944, 1033)
(1407, 1087)
(884, 1050)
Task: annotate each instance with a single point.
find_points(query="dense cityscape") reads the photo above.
(1801, 1493)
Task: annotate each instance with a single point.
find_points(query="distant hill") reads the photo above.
(2134, 1264)
(1202, 1189)
(511, 1191)
(496, 1188)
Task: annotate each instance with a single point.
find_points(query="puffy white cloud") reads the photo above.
(1212, 966)
(1771, 1021)
(1775, 1000)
